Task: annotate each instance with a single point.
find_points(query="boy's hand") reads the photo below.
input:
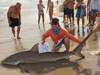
(84, 44)
(43, 42)
(90, 31)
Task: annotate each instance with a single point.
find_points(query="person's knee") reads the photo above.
(67, 43)
(18, 27)
(66, 40)
(13, 28)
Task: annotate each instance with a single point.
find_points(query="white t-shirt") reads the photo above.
(95, 4)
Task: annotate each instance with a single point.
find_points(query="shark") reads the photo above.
(32, 55)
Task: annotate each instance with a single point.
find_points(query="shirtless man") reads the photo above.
(14, 18)
(93, 9)
(66, 10)
(71, 4)
(50, 6)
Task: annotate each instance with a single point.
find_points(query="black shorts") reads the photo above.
(66, 11)
(14, 22)
(71, 13)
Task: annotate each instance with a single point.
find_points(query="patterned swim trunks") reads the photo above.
(93, 13)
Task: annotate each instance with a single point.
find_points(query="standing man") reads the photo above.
(66, 10)
(71, 11)
(14, 18)
(50, 6)
(93, 7)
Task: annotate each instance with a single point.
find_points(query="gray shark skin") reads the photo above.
(32, 56)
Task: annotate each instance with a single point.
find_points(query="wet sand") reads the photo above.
(30, 35)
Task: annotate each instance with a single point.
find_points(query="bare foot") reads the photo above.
(18, 37)
(39, 26)
(43, 25)
(14, 38)
(49, 22)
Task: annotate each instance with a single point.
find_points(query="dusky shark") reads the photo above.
(32, 56)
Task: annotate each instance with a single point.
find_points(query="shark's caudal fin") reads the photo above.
(77, 50)
(34, 48)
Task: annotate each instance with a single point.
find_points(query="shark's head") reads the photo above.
(10, 61)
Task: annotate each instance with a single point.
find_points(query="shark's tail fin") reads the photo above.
(77, 50)
(34, 48)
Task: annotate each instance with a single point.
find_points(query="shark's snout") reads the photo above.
(9, 61)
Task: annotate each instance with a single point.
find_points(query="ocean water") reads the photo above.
(27, 5)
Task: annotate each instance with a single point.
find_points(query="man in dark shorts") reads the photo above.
(93, 8)
(14, 18)
(66, 10)
(71, 11)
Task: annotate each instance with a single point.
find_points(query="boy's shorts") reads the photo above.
(59, 44)
(66, 11)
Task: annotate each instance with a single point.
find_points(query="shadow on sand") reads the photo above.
(98, 64)
(47, 67)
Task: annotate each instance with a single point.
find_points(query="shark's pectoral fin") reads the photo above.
(81, 56)
(22, 69)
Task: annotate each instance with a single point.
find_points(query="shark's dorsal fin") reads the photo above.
(34, 48)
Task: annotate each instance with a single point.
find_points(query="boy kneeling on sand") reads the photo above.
(56, 32)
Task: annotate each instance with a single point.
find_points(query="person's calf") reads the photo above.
(67, 43)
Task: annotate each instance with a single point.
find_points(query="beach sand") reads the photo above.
(31, 35)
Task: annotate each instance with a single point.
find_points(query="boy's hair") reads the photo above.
(18, 3)
(55, 21)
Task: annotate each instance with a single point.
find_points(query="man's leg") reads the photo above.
(18, 31)
(94, 19)
(78, 19)
(90, 20)
(39, 16)
(13, 31)
(43, 19)
(64, 18)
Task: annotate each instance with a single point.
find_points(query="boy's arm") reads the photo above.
(72, 37)
(45, 35)
(20, 15)
(53, 4)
